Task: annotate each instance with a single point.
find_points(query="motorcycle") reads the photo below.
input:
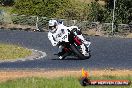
(71, 44)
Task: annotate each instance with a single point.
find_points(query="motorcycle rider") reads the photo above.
(54, 31)
(56, 28)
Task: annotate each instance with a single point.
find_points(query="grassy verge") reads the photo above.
(58, 78)
(62, 82)
(8, 52)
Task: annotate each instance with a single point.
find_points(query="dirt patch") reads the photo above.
(129, 35)
(93, 32)
(17, 26)
(101, 2)
(13, 74)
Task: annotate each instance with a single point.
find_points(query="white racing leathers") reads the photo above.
(54, 37)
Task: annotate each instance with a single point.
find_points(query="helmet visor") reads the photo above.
(51, 27)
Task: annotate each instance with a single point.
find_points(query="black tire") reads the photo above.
(88, 56)
(85, 82)
(64, 56)
(77, 52)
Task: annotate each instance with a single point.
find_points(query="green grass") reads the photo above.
(8, 52)
(64, 82)
(6, 8)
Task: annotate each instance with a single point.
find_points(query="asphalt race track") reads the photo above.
(106, 52)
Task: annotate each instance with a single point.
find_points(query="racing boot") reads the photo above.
(61, 52)
(84, 50)
(87, 44)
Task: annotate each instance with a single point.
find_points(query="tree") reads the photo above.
(122, 11)
(7, 2)
(67, 9)
(73, 10)
(96, 12)
(47, 8)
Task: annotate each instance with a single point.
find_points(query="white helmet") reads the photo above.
(52, 25)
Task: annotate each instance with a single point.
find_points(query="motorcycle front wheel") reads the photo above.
(78, 52)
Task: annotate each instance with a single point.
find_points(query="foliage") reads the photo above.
(73, 9)
(95, 12)
(69, 9)
(7, 2)
(123, 10)
(24, 20)
(46, 8)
